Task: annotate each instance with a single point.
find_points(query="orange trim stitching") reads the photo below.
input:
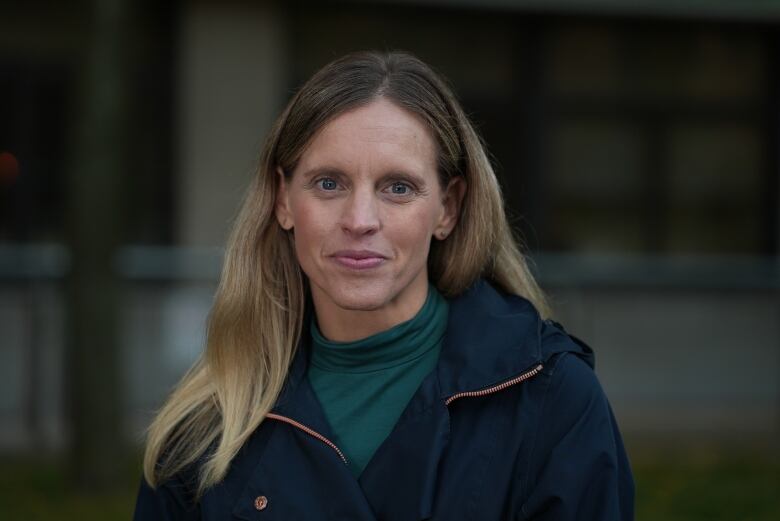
(496, 388)
(308, 431)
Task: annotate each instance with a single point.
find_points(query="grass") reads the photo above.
(672, 485)
(707, 484)
(34, 488)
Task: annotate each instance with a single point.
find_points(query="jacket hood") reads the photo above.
(494, 336)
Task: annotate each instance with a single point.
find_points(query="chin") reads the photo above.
(363, 299)
(358, 296)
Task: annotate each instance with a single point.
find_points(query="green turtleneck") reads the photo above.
(364, 385)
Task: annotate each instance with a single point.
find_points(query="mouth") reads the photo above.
(358, 259)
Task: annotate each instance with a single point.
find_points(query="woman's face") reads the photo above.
(364, 202)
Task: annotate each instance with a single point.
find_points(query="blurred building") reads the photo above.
(637, 144)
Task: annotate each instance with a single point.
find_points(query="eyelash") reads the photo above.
(409, 187)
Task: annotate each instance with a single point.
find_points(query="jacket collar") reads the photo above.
(491, 337)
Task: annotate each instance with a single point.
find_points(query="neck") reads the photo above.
(339, 324)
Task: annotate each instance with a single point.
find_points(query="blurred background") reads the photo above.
(637, 143)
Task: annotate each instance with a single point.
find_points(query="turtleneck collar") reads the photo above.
(397, 345)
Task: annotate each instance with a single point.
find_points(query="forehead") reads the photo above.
(378, 131)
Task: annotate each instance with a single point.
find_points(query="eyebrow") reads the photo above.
(405, 176)
(337, 172)
(321, 170)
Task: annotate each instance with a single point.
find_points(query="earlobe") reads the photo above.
(282, 206)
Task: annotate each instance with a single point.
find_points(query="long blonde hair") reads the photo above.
(256, 320)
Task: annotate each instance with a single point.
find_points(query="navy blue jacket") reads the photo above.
(512, 424)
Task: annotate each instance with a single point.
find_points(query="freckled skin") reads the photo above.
(367, 183)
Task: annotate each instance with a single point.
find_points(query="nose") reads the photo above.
(360, 215)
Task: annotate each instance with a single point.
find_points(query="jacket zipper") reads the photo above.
(309, 431)
(467, 394)
(496, 388)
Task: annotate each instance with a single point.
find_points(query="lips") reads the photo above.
(358, 259)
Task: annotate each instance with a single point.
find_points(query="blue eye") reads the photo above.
(328, 184)
(399, 188)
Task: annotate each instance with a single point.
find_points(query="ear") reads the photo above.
(282, 206)
(452, 200)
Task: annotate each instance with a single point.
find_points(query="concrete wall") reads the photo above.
(683, 362)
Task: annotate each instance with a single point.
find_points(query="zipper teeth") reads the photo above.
(467, 394)
(496, 388)
(309, 431)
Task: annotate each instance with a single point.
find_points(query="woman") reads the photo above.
(376, 349)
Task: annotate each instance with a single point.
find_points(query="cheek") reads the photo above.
(309, 230)
(414, 230)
